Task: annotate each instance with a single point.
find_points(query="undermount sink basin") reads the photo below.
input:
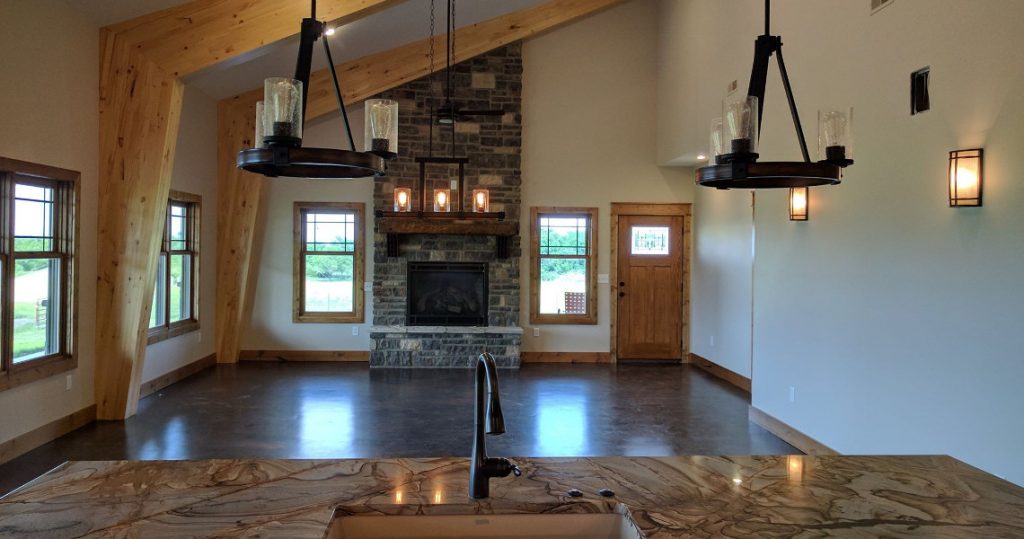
(616, 525)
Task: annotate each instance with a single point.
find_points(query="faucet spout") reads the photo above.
(488, 419)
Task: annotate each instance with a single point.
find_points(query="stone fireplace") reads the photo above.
(444, 297)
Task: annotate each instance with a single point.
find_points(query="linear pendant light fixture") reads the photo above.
(734, 137)
(279, 119)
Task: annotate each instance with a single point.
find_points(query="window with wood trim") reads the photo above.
(175, 308)
(328, 262)
(37, 249)
(563, 266)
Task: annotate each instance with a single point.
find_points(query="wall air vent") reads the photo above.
(879, 5)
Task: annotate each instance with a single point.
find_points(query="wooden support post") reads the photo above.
(238, 193)
(140, 107)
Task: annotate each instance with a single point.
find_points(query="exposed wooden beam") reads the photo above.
(140, 106)
(196, 35)
(239, 192)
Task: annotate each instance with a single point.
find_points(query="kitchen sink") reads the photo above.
(612, 525)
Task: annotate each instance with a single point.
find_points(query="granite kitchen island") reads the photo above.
(691, 496)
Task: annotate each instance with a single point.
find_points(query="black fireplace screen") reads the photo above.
(447, 294)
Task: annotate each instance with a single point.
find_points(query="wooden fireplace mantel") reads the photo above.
(404, 226)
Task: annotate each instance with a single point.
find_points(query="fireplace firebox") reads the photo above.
(447, 294)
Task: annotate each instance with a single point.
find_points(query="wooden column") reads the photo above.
(140, 108)
(239, 194)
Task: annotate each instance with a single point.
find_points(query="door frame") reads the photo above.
(684, 210)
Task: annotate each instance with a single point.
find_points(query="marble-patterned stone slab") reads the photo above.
(773, 496)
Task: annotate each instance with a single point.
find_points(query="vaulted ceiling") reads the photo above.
(403, 23)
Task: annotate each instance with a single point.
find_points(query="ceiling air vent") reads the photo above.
(878, 5)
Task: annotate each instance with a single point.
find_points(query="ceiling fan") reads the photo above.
(452, 111)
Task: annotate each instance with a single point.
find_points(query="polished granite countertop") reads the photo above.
(691, 496)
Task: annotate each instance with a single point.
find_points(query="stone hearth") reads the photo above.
(493, 146)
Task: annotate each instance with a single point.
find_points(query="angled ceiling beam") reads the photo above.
(239, 192)
(141, 67)
(196, 35)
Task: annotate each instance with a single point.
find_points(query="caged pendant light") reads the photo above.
(734, 137)
(278, 147)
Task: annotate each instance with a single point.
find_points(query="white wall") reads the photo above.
(589, 140)
(195, 172)
(895, 317)
(48, 102)
(271, 326)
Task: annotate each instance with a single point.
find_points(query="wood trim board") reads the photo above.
(789, 434)
(177, 375)
(719, 371)
(293, 356)
(19, 445)
(566, 357)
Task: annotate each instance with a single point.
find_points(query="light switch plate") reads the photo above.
(602, 278)
(455, 184)
(355, 331)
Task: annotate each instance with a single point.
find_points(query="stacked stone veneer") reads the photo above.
(493, 146)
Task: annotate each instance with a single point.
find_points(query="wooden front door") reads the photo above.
(649, 311)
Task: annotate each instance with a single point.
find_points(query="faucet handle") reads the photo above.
(516, 471)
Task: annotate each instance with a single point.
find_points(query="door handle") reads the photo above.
(622, 294)
(622, 283)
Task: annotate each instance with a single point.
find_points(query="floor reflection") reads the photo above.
(172, 443)
(561, 427)
(327, 422)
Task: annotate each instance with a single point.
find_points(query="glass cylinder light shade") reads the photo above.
(403, 199)
(965, 177)
(282, 110)
(381, 126)
(716, 145)
(258, 141)
(481, 200)
(442, 200)
(739, 116)
(835, 135)
(799, 203)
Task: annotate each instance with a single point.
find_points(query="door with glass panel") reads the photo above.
(649, 295)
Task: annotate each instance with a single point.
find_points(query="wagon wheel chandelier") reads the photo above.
(734, 137)
(280, 116)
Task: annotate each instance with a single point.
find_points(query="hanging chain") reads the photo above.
(453, 32)
(431, 72)
(430, 87)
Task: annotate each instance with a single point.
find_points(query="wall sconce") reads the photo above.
(965, 177)
(442, 200)
(481, 200)
(799, 206)
(403, 199)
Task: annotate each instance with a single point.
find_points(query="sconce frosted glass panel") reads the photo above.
(282, 110)
(835, 135)
(798, 203)
(966, 177)
(739, 115)
(381, 126)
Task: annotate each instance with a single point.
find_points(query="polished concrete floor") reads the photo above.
(311, 410)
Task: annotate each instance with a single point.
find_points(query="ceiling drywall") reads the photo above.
(387, 29)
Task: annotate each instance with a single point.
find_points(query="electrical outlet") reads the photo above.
(792, 393)
(712, 341)
(199, 336)
(367, 287)
(67, 384)
(355, 331)
(536, 332)
(454, 184)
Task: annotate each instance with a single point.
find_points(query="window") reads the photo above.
(328, 262)
(563, 284)
(176, 293)
(37, 293)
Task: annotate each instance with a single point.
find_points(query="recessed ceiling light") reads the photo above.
(701, 157)
(329, 31)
